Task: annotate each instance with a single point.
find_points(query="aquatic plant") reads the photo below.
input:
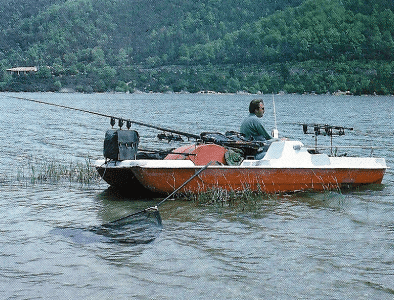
(53, 171)
(217, 196)
(248, 200)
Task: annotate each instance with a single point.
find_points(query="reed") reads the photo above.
(242, 198)
(52, 171)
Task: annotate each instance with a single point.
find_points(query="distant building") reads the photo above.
(22, 70)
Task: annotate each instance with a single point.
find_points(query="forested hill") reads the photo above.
(222, 45)
(146, 26)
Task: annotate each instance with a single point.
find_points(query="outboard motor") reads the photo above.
(121, 144)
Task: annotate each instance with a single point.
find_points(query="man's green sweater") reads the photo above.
(251, 127)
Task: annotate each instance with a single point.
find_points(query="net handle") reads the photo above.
(156, 207)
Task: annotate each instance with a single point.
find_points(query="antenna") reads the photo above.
(275, 132)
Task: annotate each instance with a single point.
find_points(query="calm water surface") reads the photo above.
(332, 245)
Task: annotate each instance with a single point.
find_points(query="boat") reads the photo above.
(227, 161)
(287, 166)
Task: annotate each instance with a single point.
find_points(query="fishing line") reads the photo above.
(121, 121)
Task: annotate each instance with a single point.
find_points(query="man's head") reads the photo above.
(256, 107)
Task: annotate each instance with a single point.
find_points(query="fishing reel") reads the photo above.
(169, 137)
(326, 130)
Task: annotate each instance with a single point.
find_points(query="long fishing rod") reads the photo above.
(121, 121)
(275, 132)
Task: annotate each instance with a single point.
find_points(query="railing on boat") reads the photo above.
(334, 149)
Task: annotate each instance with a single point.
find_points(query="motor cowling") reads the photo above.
(121, 144)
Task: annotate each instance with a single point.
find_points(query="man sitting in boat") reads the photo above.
(252, 128)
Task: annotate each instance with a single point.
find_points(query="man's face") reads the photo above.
(260, 111)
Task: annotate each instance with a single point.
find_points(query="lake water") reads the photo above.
(331, 245)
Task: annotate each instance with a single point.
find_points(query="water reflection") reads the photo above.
(115, 194)
(114, 204)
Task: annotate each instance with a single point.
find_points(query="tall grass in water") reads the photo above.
(246, 199)
(53, 172)
(221, 197)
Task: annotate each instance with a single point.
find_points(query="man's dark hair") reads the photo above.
(255, 104)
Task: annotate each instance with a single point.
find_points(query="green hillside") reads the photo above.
(172, 45)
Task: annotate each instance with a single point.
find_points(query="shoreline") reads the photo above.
(136, 92)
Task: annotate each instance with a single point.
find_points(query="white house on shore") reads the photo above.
(22, 70)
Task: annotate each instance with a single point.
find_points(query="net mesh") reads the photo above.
(140, 228)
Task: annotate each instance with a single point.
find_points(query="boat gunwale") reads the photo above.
(144, 164)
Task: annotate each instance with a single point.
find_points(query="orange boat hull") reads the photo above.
(269, 180)
(287, 166)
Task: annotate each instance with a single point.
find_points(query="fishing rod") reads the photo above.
(223, 140)
(121, 121)
(325, 130)
(275, 133)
